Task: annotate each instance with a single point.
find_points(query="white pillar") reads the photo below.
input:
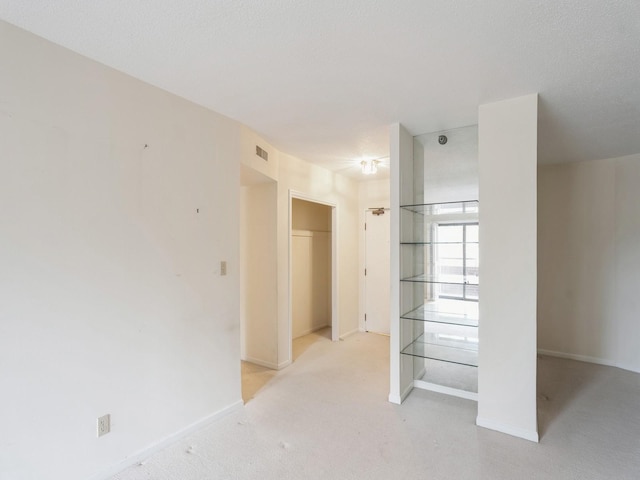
(508, 266)
(402, 191)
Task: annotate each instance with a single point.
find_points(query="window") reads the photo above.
(456, 260)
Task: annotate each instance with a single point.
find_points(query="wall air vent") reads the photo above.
(262, 153)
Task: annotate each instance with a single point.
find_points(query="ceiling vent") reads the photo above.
(262, 153)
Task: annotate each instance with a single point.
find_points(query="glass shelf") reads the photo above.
(439, 224)
(447, 279)
(445, 348)
(445, 212)
(444, 209)
(439, 243)
(452, 312)
(439, 265)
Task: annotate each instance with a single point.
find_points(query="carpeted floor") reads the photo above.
(327, 417)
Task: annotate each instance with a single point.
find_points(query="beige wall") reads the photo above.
(589, 261)
(310, 281)
(318, 185)
(310, 266)
(118, 201)
(259, 300)
(310, 216)
(267, 168)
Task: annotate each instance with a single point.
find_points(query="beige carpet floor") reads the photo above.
(327, 417)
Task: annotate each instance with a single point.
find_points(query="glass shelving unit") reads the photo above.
(439, 294)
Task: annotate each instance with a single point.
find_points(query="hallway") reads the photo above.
(255, 377)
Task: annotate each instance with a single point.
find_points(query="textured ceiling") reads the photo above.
(322, 80)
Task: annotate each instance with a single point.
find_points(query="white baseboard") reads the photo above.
(377, 333)
(284, 364)
(530, 435)
(348, 334)
(588, 359)
(141, 455)
(271, 365)
(262, 363)
(630, 368)
(398, 399)
(580, 358)
(311, 330)
(454, 392)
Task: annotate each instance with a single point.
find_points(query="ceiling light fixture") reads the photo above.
(369, 167)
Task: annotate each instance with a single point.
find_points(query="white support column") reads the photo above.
(508, 266)
(402, 191)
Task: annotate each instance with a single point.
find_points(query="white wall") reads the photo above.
(507, 332)
(374, 193)
(452, 168)
(111, 298)
(589, 261)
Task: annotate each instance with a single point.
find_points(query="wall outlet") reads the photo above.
(223, 268)
(104, 425)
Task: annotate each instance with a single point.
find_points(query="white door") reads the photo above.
(377, 281)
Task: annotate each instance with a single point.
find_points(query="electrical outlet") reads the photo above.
(223, 268)
(104, 425)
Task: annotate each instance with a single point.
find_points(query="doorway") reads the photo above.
(377, 270)
(312, 269)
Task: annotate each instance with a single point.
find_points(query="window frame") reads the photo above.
(464, 244)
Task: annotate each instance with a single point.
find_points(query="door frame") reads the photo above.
(335, 331)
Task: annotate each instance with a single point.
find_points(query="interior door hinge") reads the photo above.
(365, 272)
(365, 226)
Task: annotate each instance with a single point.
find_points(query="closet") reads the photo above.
(310, 267)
